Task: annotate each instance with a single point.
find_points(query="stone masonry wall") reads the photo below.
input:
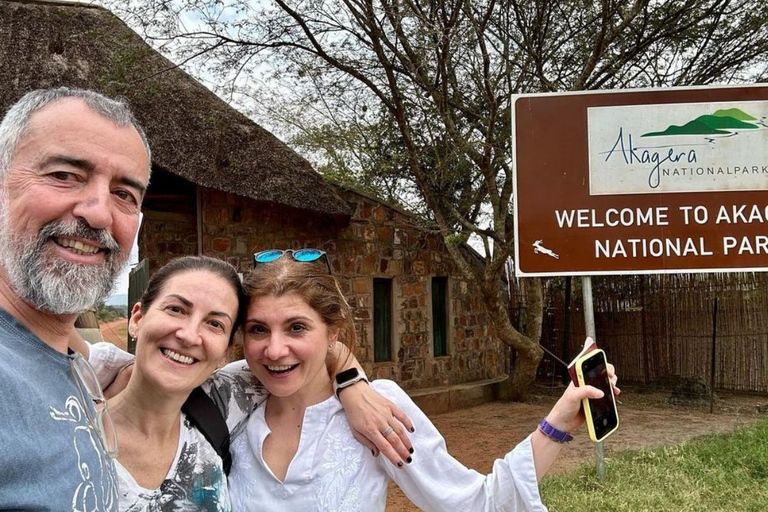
(165, 236)
(378, 242)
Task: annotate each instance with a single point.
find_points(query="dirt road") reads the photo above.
(115, 332)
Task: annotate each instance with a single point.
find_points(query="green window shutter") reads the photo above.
(382, 320)
(440, 316)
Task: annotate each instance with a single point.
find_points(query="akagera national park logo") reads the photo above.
(681, 150)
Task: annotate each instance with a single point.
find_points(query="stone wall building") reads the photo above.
(435, 332)
(223, 186)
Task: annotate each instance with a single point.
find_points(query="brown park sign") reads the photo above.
(645, 181)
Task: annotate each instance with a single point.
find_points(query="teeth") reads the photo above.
(179, 358)
(280, 368)
(77, 246)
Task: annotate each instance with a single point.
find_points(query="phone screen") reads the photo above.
(603, 410)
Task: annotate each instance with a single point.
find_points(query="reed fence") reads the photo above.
(660, 326)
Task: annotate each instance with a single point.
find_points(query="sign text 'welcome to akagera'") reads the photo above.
(642, 181)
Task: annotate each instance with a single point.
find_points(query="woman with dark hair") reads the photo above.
(183, 326)
(295, 452)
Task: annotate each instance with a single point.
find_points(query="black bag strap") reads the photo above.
(204, 415)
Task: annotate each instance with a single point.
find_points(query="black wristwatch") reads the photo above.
(347, 378)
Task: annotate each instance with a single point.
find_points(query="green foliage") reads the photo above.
(369, 157)
(456, 239)
(722, 472)
(411, 100)
(107, 313)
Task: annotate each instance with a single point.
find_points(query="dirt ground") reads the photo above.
(478, 435)
(114, 332)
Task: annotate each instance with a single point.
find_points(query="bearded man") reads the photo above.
(74, 167)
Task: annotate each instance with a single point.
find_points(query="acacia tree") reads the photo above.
(442, 73)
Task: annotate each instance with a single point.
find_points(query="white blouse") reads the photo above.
(332, 472)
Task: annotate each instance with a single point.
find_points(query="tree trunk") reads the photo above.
(528, 351)
(534, 312)
(523, 374)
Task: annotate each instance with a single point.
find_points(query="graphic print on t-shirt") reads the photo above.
(97, 489)
(195, 482)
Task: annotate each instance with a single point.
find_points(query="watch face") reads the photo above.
(346, 375)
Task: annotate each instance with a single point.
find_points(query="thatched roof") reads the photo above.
(192, 132)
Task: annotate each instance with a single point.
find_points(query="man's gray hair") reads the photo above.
(15, 124)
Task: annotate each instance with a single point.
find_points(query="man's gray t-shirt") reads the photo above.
(50, 456)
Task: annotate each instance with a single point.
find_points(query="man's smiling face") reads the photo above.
(70, 210)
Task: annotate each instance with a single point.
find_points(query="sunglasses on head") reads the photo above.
(301, 255)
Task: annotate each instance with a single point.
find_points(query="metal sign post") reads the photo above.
(589, 323)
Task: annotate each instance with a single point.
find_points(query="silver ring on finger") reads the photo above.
(387, 431)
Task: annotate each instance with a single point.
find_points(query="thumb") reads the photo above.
(590, 392)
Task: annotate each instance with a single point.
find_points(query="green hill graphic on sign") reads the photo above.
(722, 122)
(735, 113)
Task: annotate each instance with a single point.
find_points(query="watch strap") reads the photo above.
(338, 387)
(554, 433)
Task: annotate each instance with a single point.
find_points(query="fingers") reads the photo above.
(593, 393)
(614, 379)
(404, 441)
(378, 423)
(364, 441)
(567, 414)
(392, 445)
(402, 418)
(120, 382)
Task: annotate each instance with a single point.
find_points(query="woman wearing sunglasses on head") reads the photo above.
(297, 445)
(184, 326)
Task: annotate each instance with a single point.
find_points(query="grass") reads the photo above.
(714, 473)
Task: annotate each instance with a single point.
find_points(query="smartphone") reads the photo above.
(601, 413)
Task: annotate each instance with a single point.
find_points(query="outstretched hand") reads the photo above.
(371, 416)
(567, 414)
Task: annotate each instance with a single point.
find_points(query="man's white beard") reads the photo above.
(50, 283)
